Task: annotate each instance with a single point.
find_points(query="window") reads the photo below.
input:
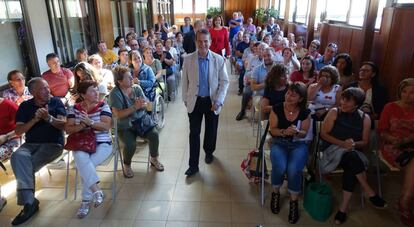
(320, 12)
(302, 11)
(200, 6)
(292, 10)
(16, 50)
(381, 6)
(282, 7)
(404, 1)
(337, 10)
(357, 13)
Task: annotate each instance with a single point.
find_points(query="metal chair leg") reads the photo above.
(67, 176)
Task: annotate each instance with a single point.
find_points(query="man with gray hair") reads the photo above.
(42, 120)
(189, 39)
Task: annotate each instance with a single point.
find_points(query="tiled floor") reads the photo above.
(218, 196)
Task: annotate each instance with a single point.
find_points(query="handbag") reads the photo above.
(318, 201)
(252, 165)
(84, 140)
(141, 125)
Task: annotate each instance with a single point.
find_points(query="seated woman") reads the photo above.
(8, 139)
(84, 71)
(300, 49)
(396, 128)
(346, 130)
(128, 105)
(375, 94)
(155, 64)
(343, 63)
(275, 89)
(17, 92)
(326, 93)
(90, 114)
(288, 156)
(290, 60)
(142, 74)
(306, 74)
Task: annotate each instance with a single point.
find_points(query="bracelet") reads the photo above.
(50, 120)
(91, 123)
(134, 108)
(282, 132)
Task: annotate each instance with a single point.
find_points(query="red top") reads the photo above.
(398, 122)
(220, 41)
(58, 82)
(8, 111)
(298, 76)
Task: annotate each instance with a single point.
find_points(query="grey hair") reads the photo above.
(33, 82)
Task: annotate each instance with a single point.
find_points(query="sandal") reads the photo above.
(275, 203)
(405, 214)
(128, 173)
(340, 217)
(158, 166)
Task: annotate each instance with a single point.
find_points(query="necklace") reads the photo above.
(290, 112)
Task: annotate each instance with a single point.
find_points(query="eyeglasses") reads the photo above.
(333, 45)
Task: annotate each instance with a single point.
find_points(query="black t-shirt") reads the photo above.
(165, 65)
(274, 96)
(42, 131)
(284, 123)
(242, 46)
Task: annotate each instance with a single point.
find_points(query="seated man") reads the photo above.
(42, 119)
(108, 56)
(328, 57)
(59, 79)
(258, 78)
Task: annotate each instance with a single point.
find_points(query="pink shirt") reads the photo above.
(59, 83)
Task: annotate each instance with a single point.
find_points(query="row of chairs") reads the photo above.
(315, 154)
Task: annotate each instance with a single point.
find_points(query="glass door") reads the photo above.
(73, 27)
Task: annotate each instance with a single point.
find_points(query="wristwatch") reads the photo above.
(50, 119)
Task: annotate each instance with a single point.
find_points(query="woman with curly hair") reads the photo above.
(343, 63)
(276, 86)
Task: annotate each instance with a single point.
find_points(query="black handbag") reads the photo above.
(141, 125)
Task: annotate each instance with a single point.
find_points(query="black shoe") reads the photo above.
(340, 217)
(240, 93)
(378, 202)
(240, 116)
(28, 211)
(191, 171)
(209, 158)
(293, 212)
(275, 203)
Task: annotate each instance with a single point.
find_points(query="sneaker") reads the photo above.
(340, 217)
(378, 202)
(28, 211)
(240, 116)
(83, 210)
(97, 198)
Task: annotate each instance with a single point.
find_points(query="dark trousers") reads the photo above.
(352, 165)
(202, 108)
(241, 78)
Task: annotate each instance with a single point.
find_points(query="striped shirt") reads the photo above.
(102, 109)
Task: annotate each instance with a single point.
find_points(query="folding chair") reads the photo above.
(118, 147)
(114, 157)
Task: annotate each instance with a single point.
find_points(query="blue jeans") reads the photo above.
(288, 158)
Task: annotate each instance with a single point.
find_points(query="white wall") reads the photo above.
(40, 27)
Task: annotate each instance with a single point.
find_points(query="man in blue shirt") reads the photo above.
(41, 119)
(328, 57)
(205, 83)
